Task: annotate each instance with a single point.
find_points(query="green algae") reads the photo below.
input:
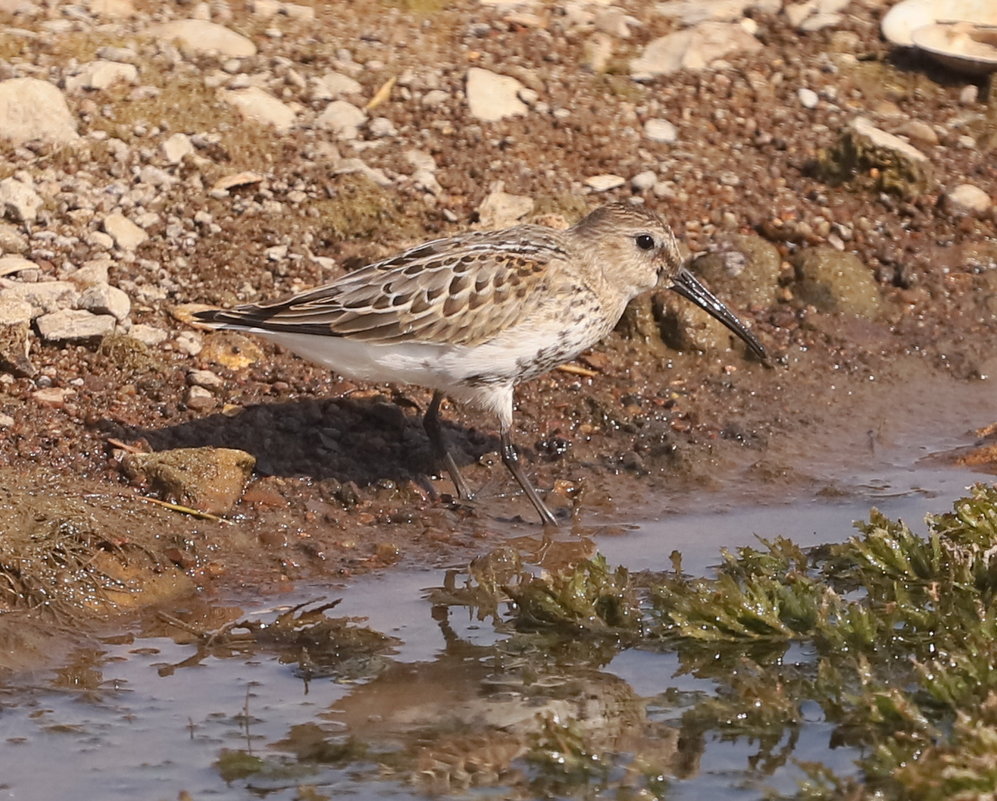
(894, 637)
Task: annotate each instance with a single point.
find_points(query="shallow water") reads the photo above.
(138, 717)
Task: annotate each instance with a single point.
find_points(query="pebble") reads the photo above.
(205, 378)
(342, 118)
(334, 85)
(808, 97)
(501, 209)
(34, 109)
(74, 325)
(176, 147)
(100, 75)
(201, 36)
(43, 296)
(643, 181)
(604, 182)
(492, 97)
(148, 334)
(260, 106)
(658, 130)
(54, 397)
(126, 234)
(921, 131)
(692, 49)
(105, 299)
(966, 199)
(19, 201)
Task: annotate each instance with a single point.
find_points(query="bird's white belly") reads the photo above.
(429, 364)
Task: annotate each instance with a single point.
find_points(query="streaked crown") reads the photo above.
(633, 244)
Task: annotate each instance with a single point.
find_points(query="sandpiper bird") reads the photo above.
(473, 315)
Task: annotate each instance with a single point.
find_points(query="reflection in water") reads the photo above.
(445, 692)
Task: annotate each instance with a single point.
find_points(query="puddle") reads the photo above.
(458, 704)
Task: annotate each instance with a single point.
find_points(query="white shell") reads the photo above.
(905, 17)
(960, 46)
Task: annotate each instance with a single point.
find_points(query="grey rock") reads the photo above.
(201, 36)
(643, 181)
(967, 199)
(19, 201)
(74, 325)
(501, 209)
(100, 75)
(743, 268)
(105, 299)
(127, 235)
(43, 296)
(33, 109)
(604, 182)
(208, 479)
(15, 337)
(834, 281)
(492, 97)
(342, 118)
(262, 107)
(660, 131)
(694, 49)
(148, 334)
(808, 97)
(176, 147)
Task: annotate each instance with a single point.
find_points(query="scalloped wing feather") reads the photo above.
(461, 291)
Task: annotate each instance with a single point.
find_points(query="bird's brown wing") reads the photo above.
(462, 290)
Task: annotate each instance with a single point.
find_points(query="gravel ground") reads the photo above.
(162, 171)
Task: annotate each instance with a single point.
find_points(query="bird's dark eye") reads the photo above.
(644, 241)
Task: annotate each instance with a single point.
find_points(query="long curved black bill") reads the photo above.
(689, 287)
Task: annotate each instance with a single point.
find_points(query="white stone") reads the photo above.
(100, 75)
(435, 97)
(353, 165)
(74, 325)
(336, 85)
(112, 8)
(148, 334)
(643, 181)
(15, 312)
(43, 296)
(93, 272)
(808, 97)
(967, 199)
(692, 12)
(382, 127)
(266, 8)
(660, 131)
(259, 106)
(605, 182)
(880, 138)
(33, 109)
(105, 299)
(501, 209)
(176, 147)
(202, 36)
(797, 12)
(492, 97)
(694, 49)
(298, 11)
(205, 378)
(19, 201)
(598, 49)
(15, 264)
(342, 118)
(127, 235)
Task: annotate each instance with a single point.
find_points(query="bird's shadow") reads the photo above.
(363, 440)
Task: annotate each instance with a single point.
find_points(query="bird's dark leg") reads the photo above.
(431, 422)
(510, 458)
